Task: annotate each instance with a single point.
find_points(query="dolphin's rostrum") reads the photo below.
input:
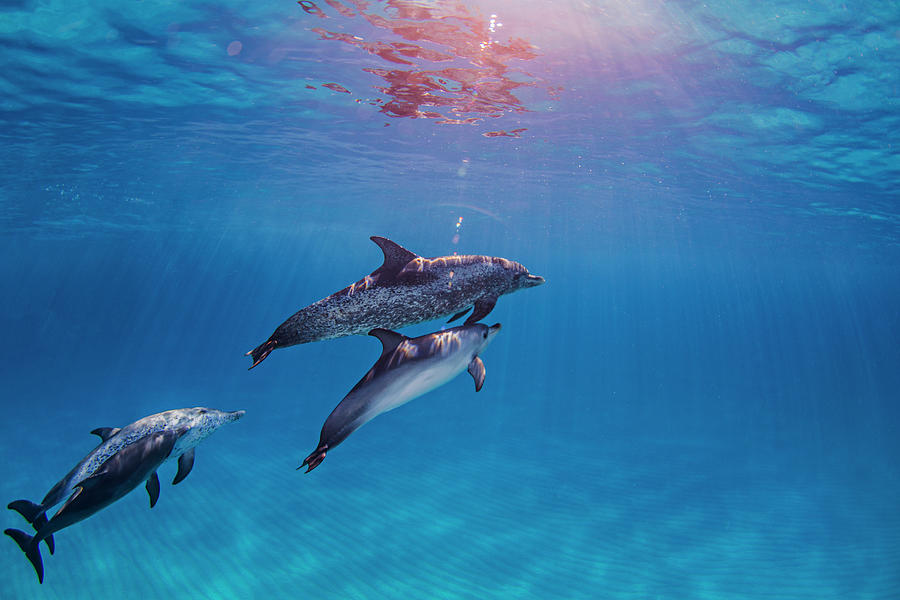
(406, 289)
(406, 369)
(124, 459)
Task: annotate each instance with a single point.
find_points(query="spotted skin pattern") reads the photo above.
(402, 293)
(191, 424)
(124, 459)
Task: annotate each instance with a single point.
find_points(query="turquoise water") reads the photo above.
(700, 403)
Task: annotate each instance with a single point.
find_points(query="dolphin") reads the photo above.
(125, 458)
(406, 369)
(405, 290)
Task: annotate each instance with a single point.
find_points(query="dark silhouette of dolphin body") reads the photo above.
(124, 459)
(406, 289)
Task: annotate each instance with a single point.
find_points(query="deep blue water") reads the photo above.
(700, 403)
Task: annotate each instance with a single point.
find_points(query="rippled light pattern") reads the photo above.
(442, 62)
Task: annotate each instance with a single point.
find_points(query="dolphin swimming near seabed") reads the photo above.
(125, 458)
(406, 369)
(405, 290)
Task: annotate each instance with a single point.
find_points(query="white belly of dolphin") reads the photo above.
(410, 382)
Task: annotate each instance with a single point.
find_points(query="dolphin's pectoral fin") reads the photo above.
(152, 486)
(395, 257)
(185, 464)
(34, 514)
(458, 315)
(483, 306)
(106, 432)
(315, 459)
(32, 551)
(389, 339)
(477, 371)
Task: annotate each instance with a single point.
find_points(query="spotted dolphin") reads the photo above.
(405, 290)
(125, 458)
(406, 369)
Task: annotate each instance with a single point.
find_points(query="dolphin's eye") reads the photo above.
(484, 335)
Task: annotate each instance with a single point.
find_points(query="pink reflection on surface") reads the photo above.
(441, 61)
(311, 8)
(336, 87)
(514, 133)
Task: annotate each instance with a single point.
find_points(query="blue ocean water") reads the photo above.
(700, 403)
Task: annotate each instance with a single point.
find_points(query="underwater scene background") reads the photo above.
(701, 402)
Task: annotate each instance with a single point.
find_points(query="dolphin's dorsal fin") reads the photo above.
(395, 256)
(152, 486)
(389, 339)
(185, 464)
(477, 371)
(106, 432)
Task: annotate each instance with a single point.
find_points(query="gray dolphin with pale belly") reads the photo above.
(405, 290)
(406, 369)
(124, 459)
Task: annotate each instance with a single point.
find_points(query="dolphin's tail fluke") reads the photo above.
(31, 550)
(260, 353)
(315, 459)
(34, 514)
